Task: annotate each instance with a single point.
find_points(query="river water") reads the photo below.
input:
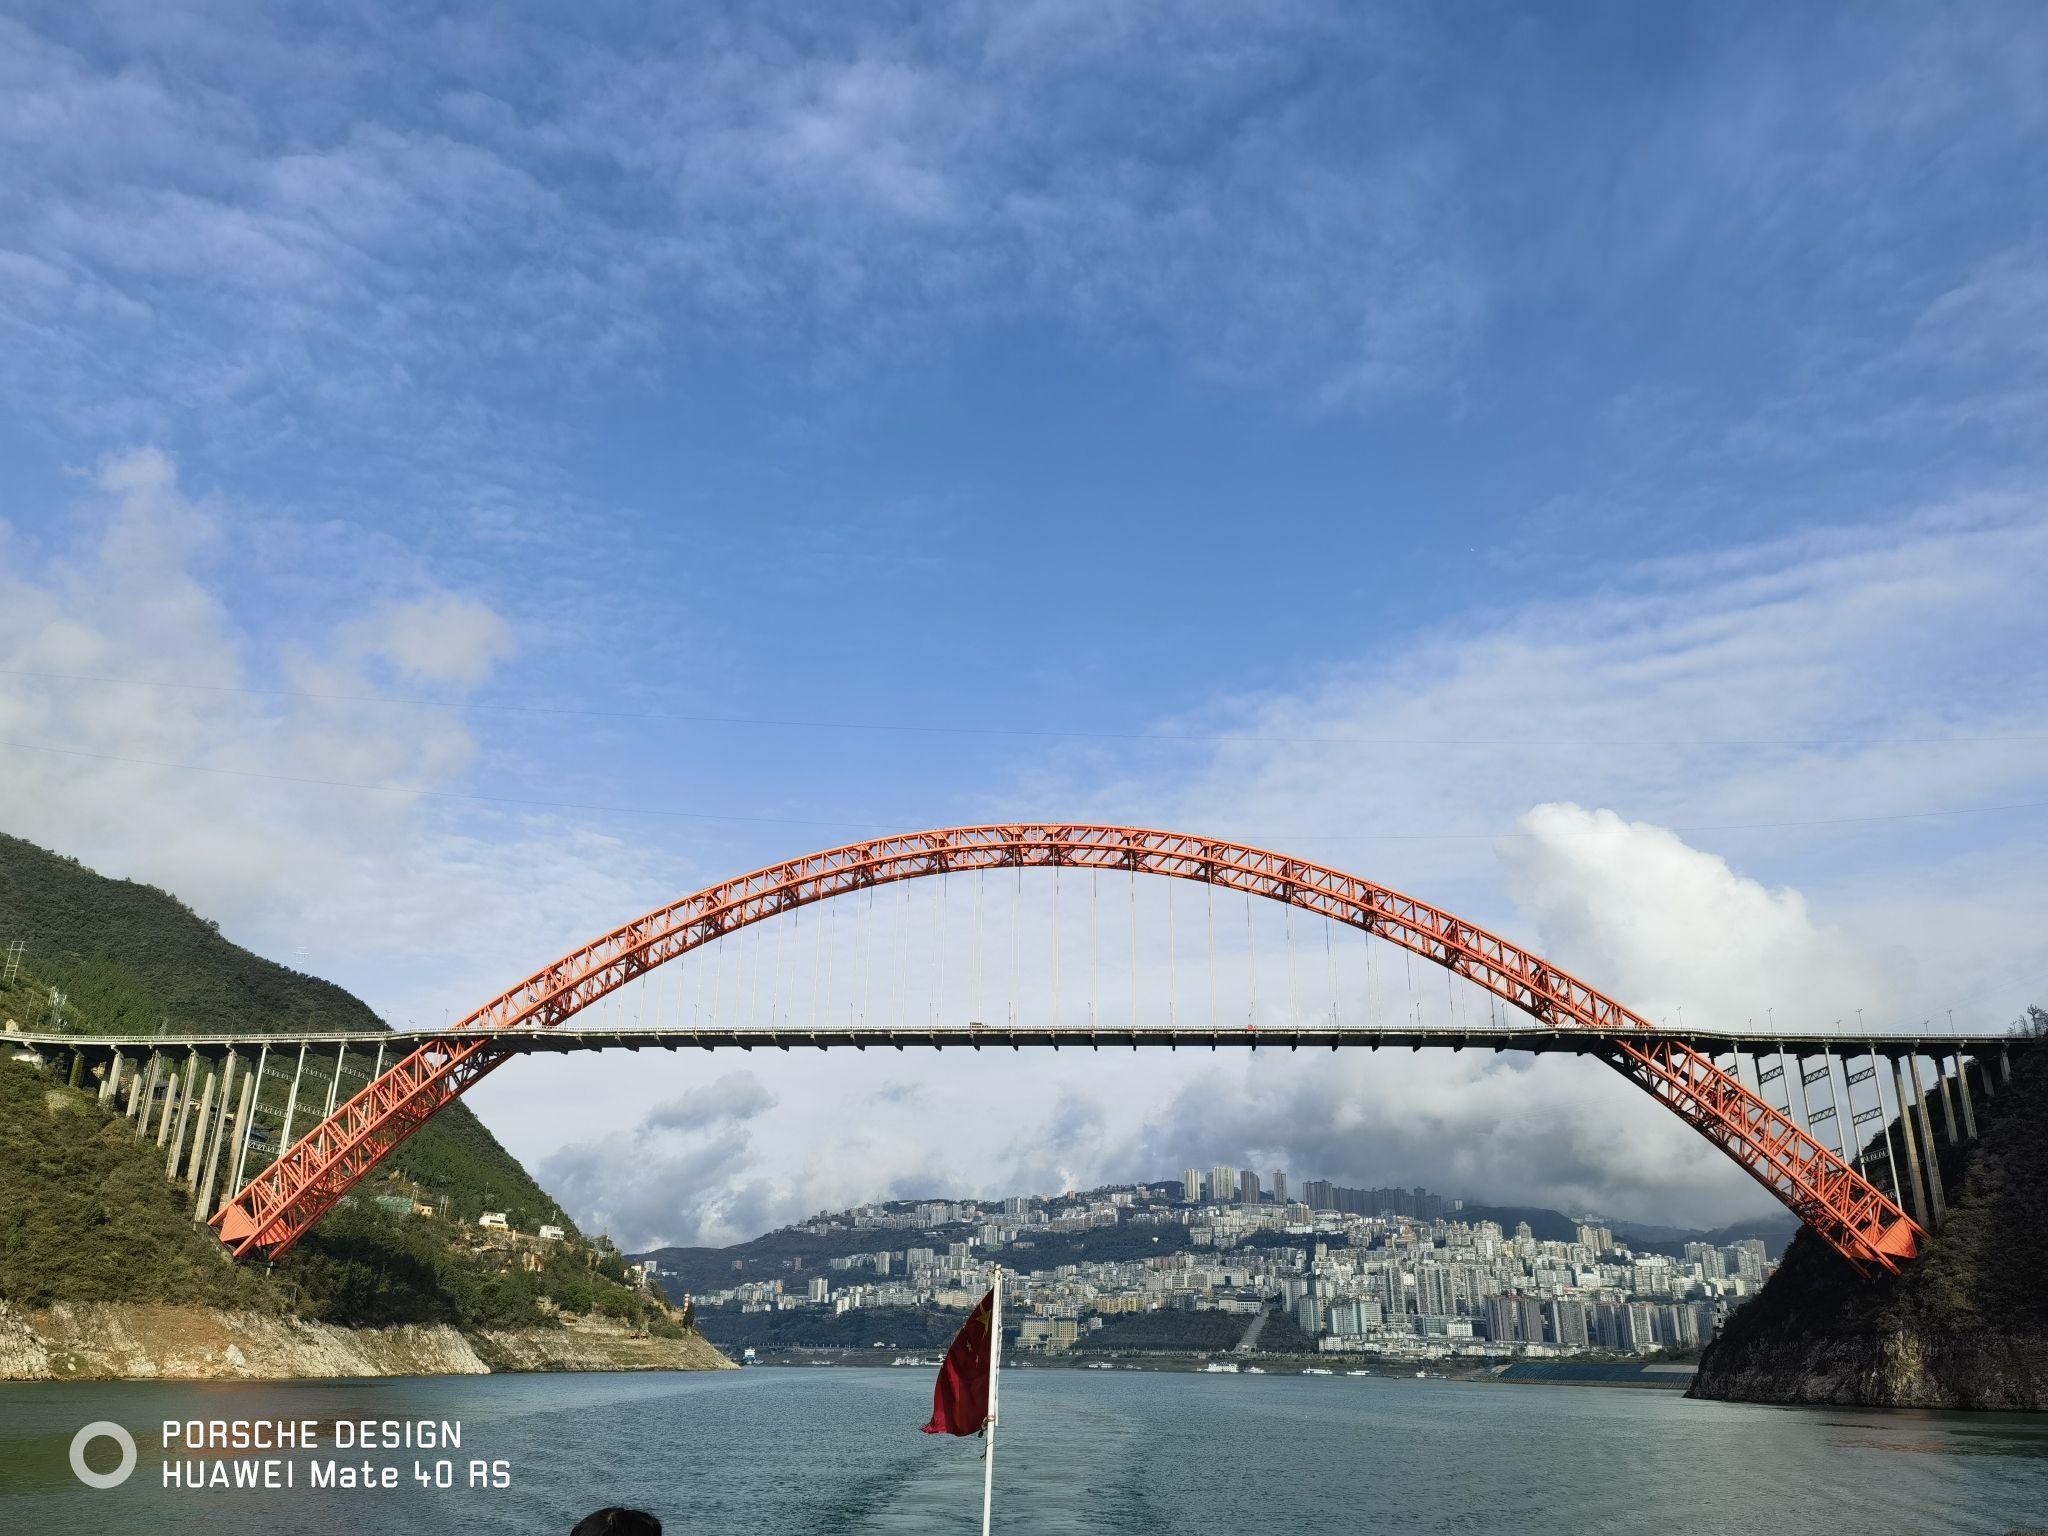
(815, 1451)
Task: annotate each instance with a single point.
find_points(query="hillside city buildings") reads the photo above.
(1394, 1273)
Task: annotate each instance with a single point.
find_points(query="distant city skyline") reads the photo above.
(1415, 1284)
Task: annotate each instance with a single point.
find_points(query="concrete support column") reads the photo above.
(2004, 1065)
(334, 1082)
(1797, 1067)
(1894, 1170)
(150, 1080)
(231, 1141)
(203, 1173)
(1963, 1084)
(1845, 1110)
(1775, 1074)
(182, 1086)
(110, 1084)
(1948, 1101)
(1936, 1195)
(1913, 1180)
(134, 1104)
(191, 1148)
(169, 1103)
(291, 1102)
(247, 1122)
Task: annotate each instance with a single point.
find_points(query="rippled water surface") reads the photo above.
(817, 1451)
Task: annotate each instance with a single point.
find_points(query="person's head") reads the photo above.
(617, 1522)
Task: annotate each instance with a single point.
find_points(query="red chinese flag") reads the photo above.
(960, 1397)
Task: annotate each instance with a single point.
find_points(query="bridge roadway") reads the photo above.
(211, 1100)
(1533, 1038)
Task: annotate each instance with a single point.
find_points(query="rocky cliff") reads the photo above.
(1963, 1326)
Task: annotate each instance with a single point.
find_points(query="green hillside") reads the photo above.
(86, 1213)
(129, 958)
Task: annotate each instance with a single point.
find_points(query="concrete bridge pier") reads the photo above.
(1829, 1113)
(134, 1105)
(1915, 1187)
(232, 1142)
(245, 1122)
(203, 1175)
(1963, 1085)
(150, 1081)
(1948, 1100)
(334, 1082)
(190, 1151)
(167, 1103)
(1937, 1196)
(181, 1086)
(291, 1102)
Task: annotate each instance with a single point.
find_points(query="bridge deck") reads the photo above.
(1058, 1037)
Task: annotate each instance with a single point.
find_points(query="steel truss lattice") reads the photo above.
(275, 1209)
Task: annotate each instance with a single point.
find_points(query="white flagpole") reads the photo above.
(995, 1369)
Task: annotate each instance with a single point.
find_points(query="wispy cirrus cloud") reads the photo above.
(231, 215)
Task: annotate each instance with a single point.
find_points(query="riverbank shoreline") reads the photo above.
(1653, 1375)
(134, 1341)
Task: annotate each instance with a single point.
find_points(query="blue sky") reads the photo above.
(1345, 427)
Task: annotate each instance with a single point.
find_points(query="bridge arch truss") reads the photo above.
(277, 1207)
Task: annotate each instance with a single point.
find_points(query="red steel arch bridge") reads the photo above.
(1763, 1116)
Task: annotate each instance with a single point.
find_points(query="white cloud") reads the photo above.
(234, 219)
(442, 639)
(1684, 939)
(142, 736)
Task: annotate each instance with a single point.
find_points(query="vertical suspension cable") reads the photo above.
(980, 880)
(865, 958)
(1016, 901)
(1371, 1013)
(1293, 971)
(1058, 994)
(1134, 949)
(1251, 948)
(1330, 960)
(902, 1010)
(1211, 893)
(939, 956)
(821, 960)
(1094, 937)
(1172, 962)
